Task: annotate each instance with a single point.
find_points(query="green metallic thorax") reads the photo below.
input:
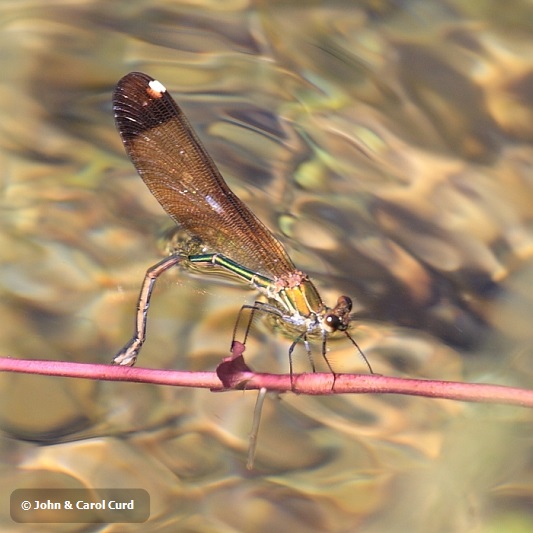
(295, 294)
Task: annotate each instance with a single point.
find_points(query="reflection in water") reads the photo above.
(389, 144)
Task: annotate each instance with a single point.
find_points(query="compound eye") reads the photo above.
(345, 303)
(332, 322)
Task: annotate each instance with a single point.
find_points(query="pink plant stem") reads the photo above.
(314, 384)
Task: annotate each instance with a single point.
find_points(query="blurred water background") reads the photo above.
(389, 144)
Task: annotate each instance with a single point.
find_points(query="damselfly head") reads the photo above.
(338, 318)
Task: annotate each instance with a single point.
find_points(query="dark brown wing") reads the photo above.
(184, 179)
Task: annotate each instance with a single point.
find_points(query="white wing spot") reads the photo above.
(156, 89)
